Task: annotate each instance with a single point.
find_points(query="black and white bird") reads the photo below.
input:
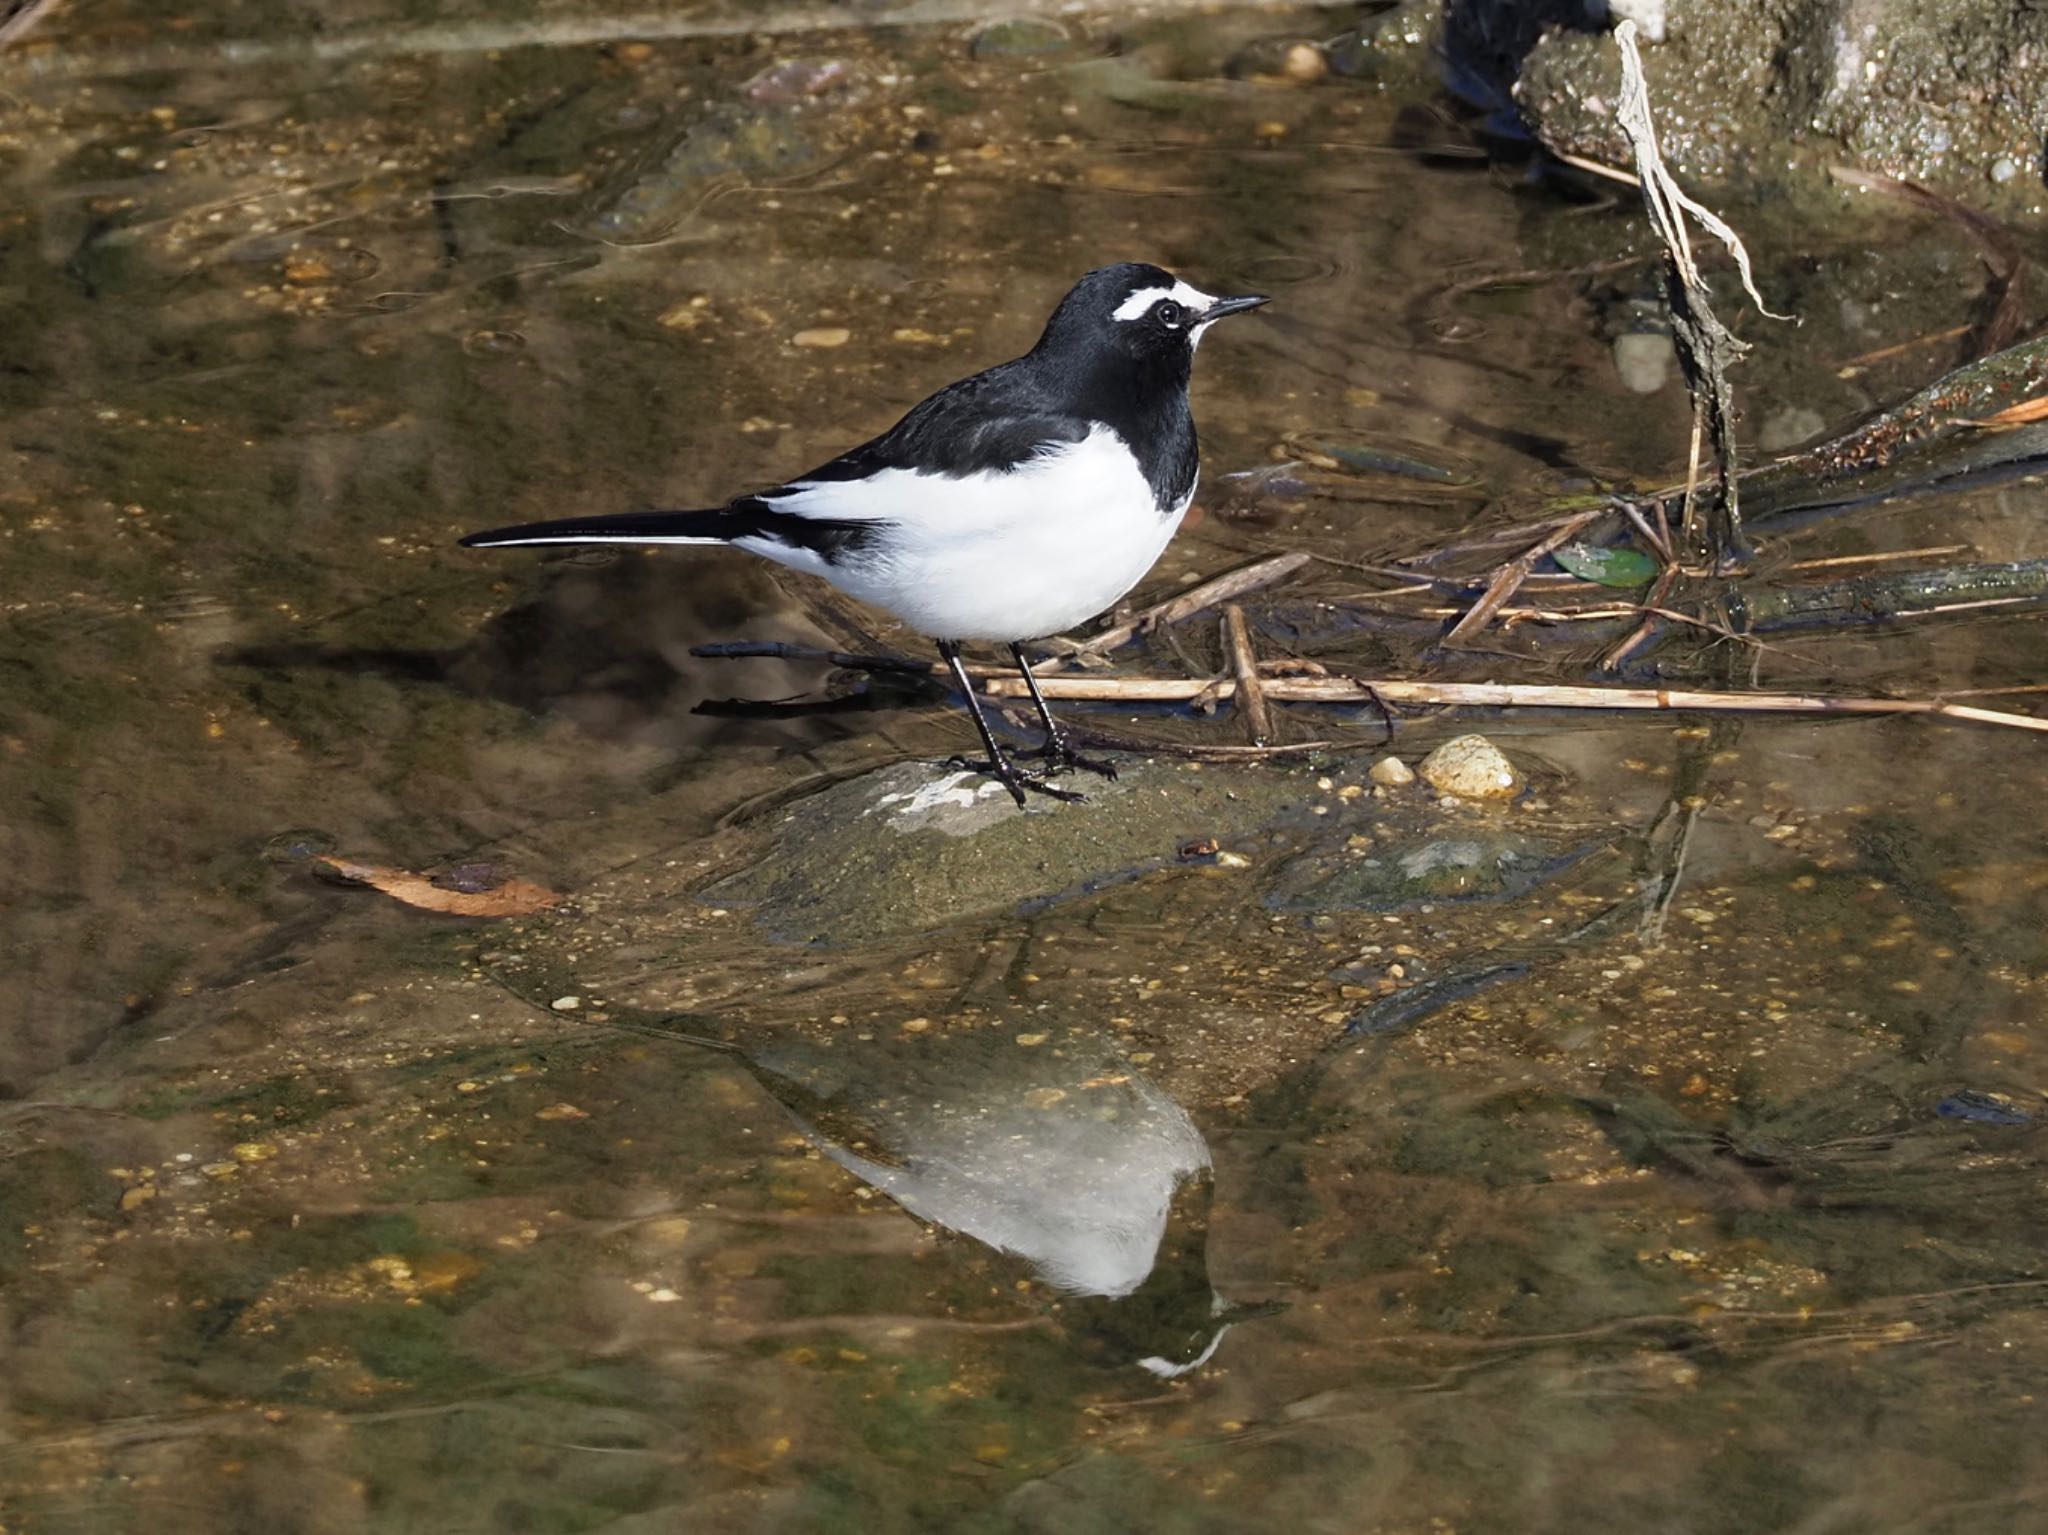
(1009, 506)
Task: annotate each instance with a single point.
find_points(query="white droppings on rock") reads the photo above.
(1391, 773)
(951, 790)
(1471, 767)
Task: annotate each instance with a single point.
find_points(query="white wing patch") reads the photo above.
(1141, 302)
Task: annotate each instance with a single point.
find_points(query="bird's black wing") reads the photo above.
(987, 424)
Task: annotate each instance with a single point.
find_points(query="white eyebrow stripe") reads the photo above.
(1181, 293)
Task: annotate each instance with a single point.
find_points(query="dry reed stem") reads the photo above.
(1502, 695)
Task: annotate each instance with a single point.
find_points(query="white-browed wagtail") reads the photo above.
(1009, 506)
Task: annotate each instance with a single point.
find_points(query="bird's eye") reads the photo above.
(1169, 313)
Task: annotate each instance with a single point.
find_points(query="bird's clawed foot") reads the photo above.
(1016, 780)
(1060, 756)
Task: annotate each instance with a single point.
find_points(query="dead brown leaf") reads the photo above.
(509, 898)
(2023, 414)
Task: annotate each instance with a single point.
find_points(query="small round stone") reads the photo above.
(1304, 62)
(1471, 767)
(1391, 773)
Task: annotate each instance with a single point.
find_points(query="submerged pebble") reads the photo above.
(299, 845)
(1391, 773)
(1643, 359)
(1293, 61)
(1982, 1109)
(1024, 37)
(798, 80)
(1471, 767)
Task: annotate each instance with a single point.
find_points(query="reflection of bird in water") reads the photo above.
(1061, 1154)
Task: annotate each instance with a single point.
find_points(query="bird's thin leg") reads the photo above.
(1057, 749)
(1000, 767)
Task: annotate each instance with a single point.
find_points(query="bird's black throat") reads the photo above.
(1144, 400)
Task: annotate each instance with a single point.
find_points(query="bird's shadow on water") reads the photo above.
(606, 643)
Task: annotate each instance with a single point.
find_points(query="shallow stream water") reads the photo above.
(806, 1172)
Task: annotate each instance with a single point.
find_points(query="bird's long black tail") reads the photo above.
(719, 525)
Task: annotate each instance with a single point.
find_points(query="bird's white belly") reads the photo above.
(1026, 578)
(1012, 556)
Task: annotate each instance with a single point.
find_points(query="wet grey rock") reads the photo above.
(1946, 92)
(788, 119)
(914, 846)
(1753, 92)
(1472, 863)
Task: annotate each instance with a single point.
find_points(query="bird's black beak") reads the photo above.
(1238, 305)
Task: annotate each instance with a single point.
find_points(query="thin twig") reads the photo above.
(1655, 537)
(1599, 168)
(1932, 338)
(1643, 631)
(1244, 664)
(1232, 583)
(1510, 576)
(1880, 557)
(1514, 534)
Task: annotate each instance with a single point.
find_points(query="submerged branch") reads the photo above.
(1878, 598)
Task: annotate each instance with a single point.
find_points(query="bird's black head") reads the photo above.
(1138, 317)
